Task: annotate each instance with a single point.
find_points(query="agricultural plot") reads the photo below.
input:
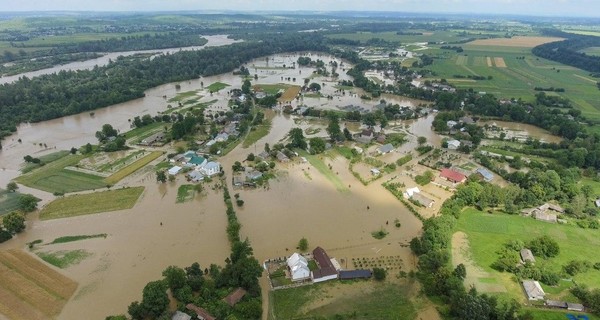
(290, 94)
(53, 177)
(487, 233)
(185, 193)
(138, 134)
(133, 167)
(29, 290)
(44, 160)
(217, 86)
(9, 201)
(97, 202)
(519, 41)
(425, 36)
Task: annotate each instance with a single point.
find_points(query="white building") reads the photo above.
(533, 290)
(411, 192)
(210, 169)
(298, 267)
(453, 144)
(451, 124)
(175, 170)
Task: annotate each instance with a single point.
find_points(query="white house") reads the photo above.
(453, 144)
(298, 267)
(451, 124)
(175, 170)
(411, 192)
(210, 169)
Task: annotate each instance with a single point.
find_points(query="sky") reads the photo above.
(585, 8)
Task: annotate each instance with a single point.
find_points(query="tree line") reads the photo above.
(567, 51)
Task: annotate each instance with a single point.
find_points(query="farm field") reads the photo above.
(83, 204)
(290, 94)
(9, 201)
(117, 176)
(426, 36)
(138, 134)
(217, 86)
(272, 88)
(53, 177)
(525, 42)
(44, 159)
(29, 290)
(487, 233)
(515, 72)
(363, 299)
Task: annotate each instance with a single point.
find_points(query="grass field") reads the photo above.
(517, 76)
(183, 95)
(540, 314)
(53, 177)
(117, 176)
(64, 259)
(375, 301)
(487, 233)
(138, 134)
(272, 88)
(45, 159)
(257, 133)
(185, 193)
(9, 201)
(29, 289)
(217, 86)
(83, 204)
(592, 51)
(427, 36)
(525, 42)
(316, 162)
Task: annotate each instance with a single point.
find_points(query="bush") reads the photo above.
(303, 244)
(545, 247)
(379, 274)
(577, 266)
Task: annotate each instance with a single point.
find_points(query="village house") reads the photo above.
(365, 136)
(210, 169)
(253, 175)
(423, 200)
(326, 270)
(201, 313)
(298, 267)
(533, 290)
(451, 124)
(527, 255)
(195, 176)
(263, 156)
(235, 297)
(466, 120)
(381, 138)
(153, 139)
(485, 174)
(385, 149)
(282, 157)
(453, 144)
(181, 316)
(453, 176)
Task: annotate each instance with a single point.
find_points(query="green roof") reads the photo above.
(197, 160)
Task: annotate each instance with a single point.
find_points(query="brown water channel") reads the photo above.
(301, 202)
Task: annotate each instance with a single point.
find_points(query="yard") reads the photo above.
(359, 300)
(83, 204)
(488, 232)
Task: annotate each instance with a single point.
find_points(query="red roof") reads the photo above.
(453, 175)
(326, 268)
(235, 297)
(202, 314)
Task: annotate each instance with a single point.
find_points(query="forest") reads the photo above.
(70, 92)
(566, 51)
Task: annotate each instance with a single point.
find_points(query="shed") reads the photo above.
(423, 200)
(556, 304)
(545, 216)
(235, 297)
(375, 171)
(387, 148)
(181, 316)
(355, 274)
(282, 157)
(201, 313)
(195, 176)
(527, 255)
(175, 170)
(485, 174)
(533, 290)
(575, 307)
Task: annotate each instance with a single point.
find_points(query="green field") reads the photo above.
(256, 133)
(592, 51)
(184, 95)
(138, 134)
(28, 167)
(273, 88)
(386, 301)
(185, 193)
(83, 204)
(9, 201)
(66, 239)
(53, 177)
(64, 259)
(217, 86)
(520, 76)
(316, 162)
(488, 232)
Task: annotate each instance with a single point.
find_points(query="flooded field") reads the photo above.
(521, 131)
(157, 232)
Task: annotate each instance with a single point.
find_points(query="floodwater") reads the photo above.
(213, 41)
(301, 202)
(522, 130)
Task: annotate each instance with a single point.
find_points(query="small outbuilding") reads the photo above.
(533, 290)
(235, 297)
(423, 200)
(453, 144)
(355, 274)
(181, 316)
(485, 174)
(527, 255)
(575, 307)
(326, 270)
(387, 148)
(175, 170)
(201, 313)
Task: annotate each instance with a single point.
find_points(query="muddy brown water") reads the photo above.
(138, 248)
(531, 130)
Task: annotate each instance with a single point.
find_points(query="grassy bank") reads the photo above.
(83, 204)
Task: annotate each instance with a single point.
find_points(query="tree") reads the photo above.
(27, 202)
(379, 274)
(14, 222)
(460, 271)
(317, 145)
(421, 140)
(246, 86)
(314, 87)
(154, 299)
(87, 148)
(136, 311)
(237, 166)
(347, 134)
(161, 176)
(73, 150)
(298, 140)
(544, 246)
(303, 244)
(12, 186)
(175, 277)
(333, 129)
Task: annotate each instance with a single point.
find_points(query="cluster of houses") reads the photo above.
(547, 212)
(327, 268)
(197, 166)
(201, 313)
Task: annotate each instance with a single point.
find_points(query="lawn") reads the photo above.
(117, 176)
(83, 204)
(541, 314)
(488, 232)
(9, 201)
(217, 86)
(385, 301)
(316, 162)
(53, 177)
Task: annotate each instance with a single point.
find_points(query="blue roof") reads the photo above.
(487, 175)
(354, 274)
